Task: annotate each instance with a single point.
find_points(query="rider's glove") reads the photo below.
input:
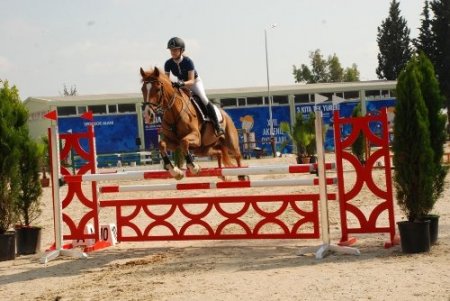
(178, 84)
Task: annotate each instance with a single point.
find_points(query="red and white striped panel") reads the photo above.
(214, 185)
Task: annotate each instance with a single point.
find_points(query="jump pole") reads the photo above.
(326, 247)
(137, 175)
(213, 185)
(57, 205)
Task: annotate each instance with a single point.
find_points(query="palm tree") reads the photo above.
(302, 134)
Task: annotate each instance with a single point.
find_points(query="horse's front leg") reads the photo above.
(191, 140)
(173, 170)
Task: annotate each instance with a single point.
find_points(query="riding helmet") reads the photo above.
(175, 43)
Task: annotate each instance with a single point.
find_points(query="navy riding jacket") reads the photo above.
(180, 70)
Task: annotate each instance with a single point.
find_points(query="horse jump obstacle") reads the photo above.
(214, 185)
(77, 231)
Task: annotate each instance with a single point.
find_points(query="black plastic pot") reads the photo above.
(7, 246)
(414, 236)
(434, 227)
(45, 182)
(28, 240)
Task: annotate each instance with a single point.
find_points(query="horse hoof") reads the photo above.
(225, 179)
(194, 168)
(177, 173)
(243, 178)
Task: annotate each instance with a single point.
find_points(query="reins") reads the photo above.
(163, 109)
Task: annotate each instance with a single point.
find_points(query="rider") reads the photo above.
(183, 68)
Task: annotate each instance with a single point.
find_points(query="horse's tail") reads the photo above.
(231, 145)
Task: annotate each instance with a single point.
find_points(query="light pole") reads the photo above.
(272, 137)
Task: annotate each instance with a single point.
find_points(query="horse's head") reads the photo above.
(156, 89)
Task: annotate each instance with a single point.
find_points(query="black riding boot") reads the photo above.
(215, 121)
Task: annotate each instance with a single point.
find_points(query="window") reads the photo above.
(385, 93)
(340, 94)
(241, 102)
(97, 109)
(329, 96)
(228, 102)
(301, 98)
(81, 110)
(351, 94)
(280, 99)
(112, 109)
(372, 93)
(252, 101)
(126, 107)
(66, 111)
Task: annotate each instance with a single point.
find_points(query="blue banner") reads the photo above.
(114, 133)
(255, 123)
(327, 113)
(151, 132)
(256, 120)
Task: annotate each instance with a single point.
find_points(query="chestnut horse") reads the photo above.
(183, 128)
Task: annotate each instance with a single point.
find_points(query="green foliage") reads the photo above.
(324, 71)
(13, 118)
(359, 146)
(336, 72)
(434, 101)
(393, 43)
(441, 58)
(69, 92)
(45, 159)
(28, 201)
(425, 42)
(413, 155)
(302, 134)
(351, 74)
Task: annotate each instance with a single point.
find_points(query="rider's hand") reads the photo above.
(178, 84)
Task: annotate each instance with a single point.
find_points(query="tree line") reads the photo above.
(396, 48)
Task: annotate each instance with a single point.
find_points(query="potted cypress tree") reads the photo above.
(434, 102)
(8, 193)
(413, 156)
(12, 124)
(28, 201)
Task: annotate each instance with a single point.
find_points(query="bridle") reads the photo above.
(159, 107)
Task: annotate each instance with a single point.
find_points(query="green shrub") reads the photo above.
(413, 156)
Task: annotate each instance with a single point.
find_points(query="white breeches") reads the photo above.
(198, 89)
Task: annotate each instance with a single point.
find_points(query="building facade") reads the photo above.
(120, 127)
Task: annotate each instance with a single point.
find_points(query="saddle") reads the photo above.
(200, 107)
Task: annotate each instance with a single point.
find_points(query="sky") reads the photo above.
(99, 46)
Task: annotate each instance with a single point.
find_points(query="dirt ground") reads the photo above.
(236, 269)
